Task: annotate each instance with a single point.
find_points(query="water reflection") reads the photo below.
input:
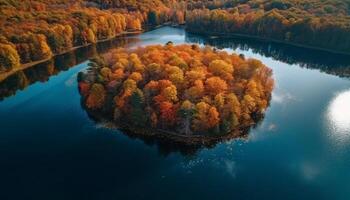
(338, 117)
(330, 63)
(43, 71)
(166, 145)
(56, 147)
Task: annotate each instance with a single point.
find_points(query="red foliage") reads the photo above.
(84, 88)
(168, 112)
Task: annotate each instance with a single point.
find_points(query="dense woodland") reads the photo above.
(335, 64)
(44, 71)
(330, 63)
(185, 88)
(37, 29)
(323, 24)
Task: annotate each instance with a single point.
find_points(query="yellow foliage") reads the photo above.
(136, 76)
(9, 58)
(175, 91)
(96, 98)
(170, 93)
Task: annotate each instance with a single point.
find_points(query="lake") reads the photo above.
(51, 149)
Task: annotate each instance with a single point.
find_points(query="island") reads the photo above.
(184, 93)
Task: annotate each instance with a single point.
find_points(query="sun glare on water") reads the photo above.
(338, 116)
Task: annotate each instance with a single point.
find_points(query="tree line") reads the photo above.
(44, 71)
(323, 24)
(184, 88)
(36, 30)
(330, 63)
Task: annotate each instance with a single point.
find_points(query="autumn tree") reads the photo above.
(9, 58)
(221, 68)
(215, 85)
(96, 97)
(167, 113)
(206, 117)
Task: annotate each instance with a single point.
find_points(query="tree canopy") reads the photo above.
(181, 88)
(315, 23)
(38, 29)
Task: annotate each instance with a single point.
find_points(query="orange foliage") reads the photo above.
(213, 117)
(84, 88)
(38, 29)
(215, 85)
(199, 79)
(168, 113)
(96, 97)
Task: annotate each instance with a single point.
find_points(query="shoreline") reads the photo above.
(146, 28)
(5, 75)
(167, 136)
(162, 136)
(266, 40)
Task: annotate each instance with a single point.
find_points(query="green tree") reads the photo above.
(138, 114)
(153, 18)
(186, 113)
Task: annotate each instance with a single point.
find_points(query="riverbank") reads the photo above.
(262, 39)
(24, 66)
(5, 75)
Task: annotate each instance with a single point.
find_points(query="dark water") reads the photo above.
(51, 149)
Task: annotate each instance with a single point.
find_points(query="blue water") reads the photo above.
(51, 149)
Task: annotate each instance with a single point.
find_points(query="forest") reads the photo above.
(42, 72)
(322, 24)
(193, 90)
(38, 29)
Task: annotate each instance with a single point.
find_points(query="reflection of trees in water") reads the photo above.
(18, 80)
(43, 71)
(330, 63)
(167, 146)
